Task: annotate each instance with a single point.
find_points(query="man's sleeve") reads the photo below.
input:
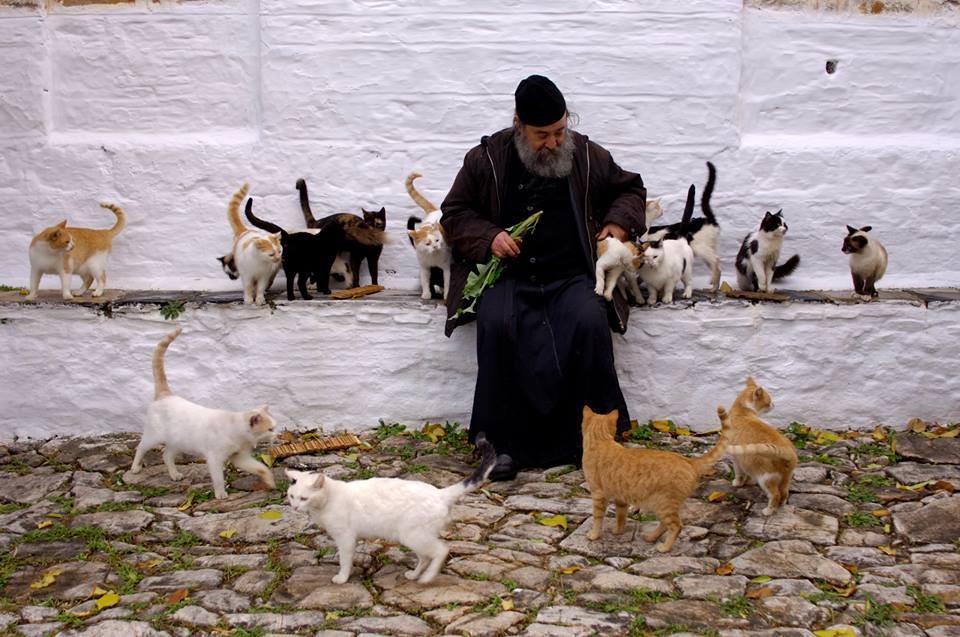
(468, 230)
(623, 195)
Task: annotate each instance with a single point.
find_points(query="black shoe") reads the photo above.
(505, 469)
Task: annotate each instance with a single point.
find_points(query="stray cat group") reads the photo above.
(335, 246)
(415, 513)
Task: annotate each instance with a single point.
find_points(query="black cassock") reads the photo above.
(544, 348)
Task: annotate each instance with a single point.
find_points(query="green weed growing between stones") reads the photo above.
(800, 434)
(861, 520)
(923, 603)
(736, 606)
(876, 614)
(173, 309)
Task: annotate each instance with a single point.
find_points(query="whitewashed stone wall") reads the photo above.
(167, 107)
(347, 364)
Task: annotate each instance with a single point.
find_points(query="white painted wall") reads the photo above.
(344, 365)
(166, 108)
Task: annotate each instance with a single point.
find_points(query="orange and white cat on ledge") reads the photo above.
(67, 251)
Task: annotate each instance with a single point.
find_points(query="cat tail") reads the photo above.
(412, 225)
(121, 218)
(688, 209)
(161, 389)
(420, 200)
(487, 461)
(305, 204)
(707, 193)
(786, 268)
(703, 465)
(766, 449)
(260, 223)
(233, 211)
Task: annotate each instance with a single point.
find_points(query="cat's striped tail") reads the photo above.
(233, 211)
(487, 461)
(767, 449)
(121, 218)
(161, 388)
(420, 200)
(704, 464)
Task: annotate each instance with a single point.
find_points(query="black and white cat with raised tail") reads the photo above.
(757, 267)
(703, 233)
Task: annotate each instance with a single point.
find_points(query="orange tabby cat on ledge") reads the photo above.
(655, 481)
(67, 251)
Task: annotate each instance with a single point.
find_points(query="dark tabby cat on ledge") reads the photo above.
(305, 254)
(363, 237)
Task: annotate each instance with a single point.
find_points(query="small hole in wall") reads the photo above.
(832, 66)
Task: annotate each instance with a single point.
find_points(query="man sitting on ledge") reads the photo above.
(544, 348)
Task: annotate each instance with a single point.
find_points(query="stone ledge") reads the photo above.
(119, 298)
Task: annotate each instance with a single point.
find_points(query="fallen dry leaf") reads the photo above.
(554, 520)
(271, 515)
(177, 596)
(46, 579)
(760, 593)
(716, 496)
(107, 600)
(506, 604)
(229, 533)
(917, 426)
(725, 569)
(887, 550)
(880, 513)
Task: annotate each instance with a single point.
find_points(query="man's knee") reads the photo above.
(591, 317)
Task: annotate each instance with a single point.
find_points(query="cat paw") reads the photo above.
(136, 469)
(599, 289)
(176, 476)
(768, 511)
(67, 297)
(30, 297)
(268, 480)
(739, 482)
(339, 579)
(664, 547)
(594, 535)
(688, 293)
(97, 294)
(220, 495)
(411, 575)
(620, 530)
(425, 296)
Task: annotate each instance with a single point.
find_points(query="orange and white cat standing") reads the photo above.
(651, 480)
(67, 251)
(256, 255)
(759, 452)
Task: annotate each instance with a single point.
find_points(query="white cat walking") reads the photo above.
(666, 264)
(410, 512)
(215, 434)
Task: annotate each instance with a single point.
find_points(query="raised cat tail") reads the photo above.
(786, 268)
(161, 389)
(308, 217)
(688, 209)
(487, 461)
(703, 465)
(233, 211)
(707, 193)
(121, 218)
(260, 223)
(420, 200)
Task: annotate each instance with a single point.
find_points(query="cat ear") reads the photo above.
(780, 212)
(851, 229)
(587, 412)
(767, 214)
(62, 224)
(318, 483)
(866, 229)
(293, 474)
(751, 382)
(265, 408)
(383, 210)
(255, 420)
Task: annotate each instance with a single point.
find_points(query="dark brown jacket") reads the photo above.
(601, 193)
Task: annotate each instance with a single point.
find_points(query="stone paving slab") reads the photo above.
(867, 541)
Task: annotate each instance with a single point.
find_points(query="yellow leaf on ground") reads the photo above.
(887, 550)
(507, 604)
(879, 433)
(97, 592)
(845, 591)
(186, 503)
(886, 528)
(229, 533)
(570, 570)
(761, 579)
(46, 579)
(554, 520)
(880, 513)
(725, 569)
(914, 487)
(725, 288)
(434, 431)
(310, 434)
(44, 524)
(271, 515)
(716, 496)
(836, 632)
(108, 600)
(267, 459)
(825, 437)
(683, 431)
(177, 596)
(663, 426)
(950, 433)
(916, 425)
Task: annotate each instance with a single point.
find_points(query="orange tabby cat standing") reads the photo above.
(651, 480)
(759, 452)
(67, 251)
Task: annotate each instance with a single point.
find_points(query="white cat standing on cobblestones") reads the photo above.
(410, 512)
(216, 434)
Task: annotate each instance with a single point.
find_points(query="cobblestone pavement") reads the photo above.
(867, 545)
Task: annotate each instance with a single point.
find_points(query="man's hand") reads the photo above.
(612, 230)
(504, 246)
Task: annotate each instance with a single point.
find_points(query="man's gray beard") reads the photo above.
(545, 162)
